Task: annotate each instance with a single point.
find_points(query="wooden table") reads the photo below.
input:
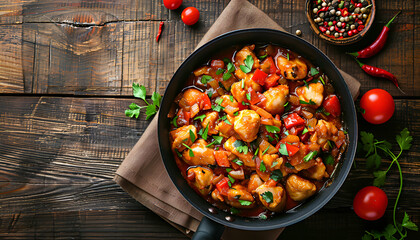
(66, 70)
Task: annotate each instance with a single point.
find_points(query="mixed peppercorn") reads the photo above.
(340, 19)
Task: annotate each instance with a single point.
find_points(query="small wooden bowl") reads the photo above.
(341, 41)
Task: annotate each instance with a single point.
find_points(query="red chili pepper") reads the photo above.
(379, 72)
(159, 31)
(377, 45)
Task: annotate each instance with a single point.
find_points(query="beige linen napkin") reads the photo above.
(142, 173)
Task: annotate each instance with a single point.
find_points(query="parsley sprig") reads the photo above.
(249, 62)
(139, 91)
(371, 146)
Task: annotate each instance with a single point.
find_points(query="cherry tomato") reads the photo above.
(378, 106)
(172, 4)
(332, 105)
(190, 15)
(370, 203)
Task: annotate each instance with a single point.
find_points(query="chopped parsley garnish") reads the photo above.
(204, 132)
(220, 71)
(272, 129)
(249, 62)
(262, 216)
(210, 93)
(305, 130)
(309, 103)
(234, 211)
(190, 152)
(226, 76)
(274, 164)
(238, 162)
(244, 202)
(283, 150)
(322, 80)
(310, 156)
(231, 98)
(288, 56)
(192, 135)
(287, 106)
(322, 110)
(276, 175)
(230, 68)
(244, 103)
(235, 113)
(265, 150)
(242, 84)
(201, 117)
(174, 121)
(240, 147)
(270, 139)
(314, 71)
(248, 97)
(178, 153)
(262, 167)
(219, 101)
(217, 140)
(139, 91)
(329, 160)
(231, 179)
(263, 56)
(289, 165)
(306, 84)
(267, 196)
(205, 79)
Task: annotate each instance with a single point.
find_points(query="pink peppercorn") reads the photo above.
(350, 33)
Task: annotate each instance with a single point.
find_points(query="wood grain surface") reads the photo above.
(66, 70)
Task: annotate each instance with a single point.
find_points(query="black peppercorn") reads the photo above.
(365, 3)
(345, 34)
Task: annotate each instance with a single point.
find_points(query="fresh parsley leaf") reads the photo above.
(407, 223)
(389, 231)
(190, 152)
(373, 161)
(267, 196)
(219, 101)
(305, 130)
(238, 162)
(262, 216)
(205, 132)
(235, 113)
(226, 76)
(234, 211)
(219, 71)
(310, 156)
(217, 108)
(263, 56)
(231, 179)
(227, 121)
(150, 111)
(231, 98)
(309, 103)
(262, 166)
(205, 79)
(139, 91)
(274, 164)
(242, 84)
(288, 58)
(283, 150)
(240, 147)
(249, 61)
(230, 68)
(217, 140)
(174, 121)
(244, 202)
(404, 139)
(314, 71)
(210, 93)
(244, 103)
(322, 80)
(134, 110)
(272, 129)
(329, 160)
(265, 150)
(201, 117)
(270, 139)
(276, 175)
(192, 136)
(379, 178)
(248, 96)
(244, 69)
(156, 98)
(367, 141)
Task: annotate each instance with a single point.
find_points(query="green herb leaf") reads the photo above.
(219, 101)
(178, 153)
(322, 110)
(262, 216)
(276, 175)
(373, 161)
(242, 84)
(201, 117)
(230, 68)
(265, 150)
(310, 156)
(289, 165)
(389, 231)
(309, 103)
(287, 57)
(314, 71)
(367, 142)
(205, 132)
(306, 84)
(407, 223)
(227, 121)
(244, 202)
(262, 166)
(231, 179)
(234, 211)
(174, 121)
(240, 146)
(267, 196)
(305, 130)
(219, 71)
(217, 140)
(231, 98)
(270, 139)
(217, 108)
(263, 56)
(367, 237)
(134, 110)
(238, 162)
(210, 93)
(286, 133)
(249, 61)
(274, 164)
(248, 96)
(244, 69)
(192, 136)
(404, 139)
(150, 111)
(272, 129)
(321, 79)
(190, 152)
(226, 76)
(156, 98)
(139, 91)
(205, 79)
(283, 150)
(329, 160)
(380, 177)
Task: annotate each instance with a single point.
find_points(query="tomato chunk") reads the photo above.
(268, 66)
(253, 96)
(223, 186)
(271, 81)
(222, 158)
(259, 77)
(332, 105)
(291, 149)
(293, 120)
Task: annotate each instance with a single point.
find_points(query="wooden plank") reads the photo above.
(11, 72)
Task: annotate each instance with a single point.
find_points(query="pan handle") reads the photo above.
(208, 230)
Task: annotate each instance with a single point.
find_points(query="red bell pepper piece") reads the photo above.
(291, 149)
(304, 137)
(271, 81)
(259, 76)
(223, 186)
(268, 66)
(254, 98)
(221, 158)
(293, 120)
(183, 117)
(332, 105)
(205, 102)
(241, 106)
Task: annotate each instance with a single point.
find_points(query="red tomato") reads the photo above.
(378, 106)
(332, 105)
(190, 15)
(370, 203)
(172, 4)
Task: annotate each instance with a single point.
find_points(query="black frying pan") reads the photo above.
(213, 229)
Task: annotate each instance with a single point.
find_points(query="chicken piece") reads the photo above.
(202, 155)
(316, 172)
(293, 69)
(277, 202)
(210, 119)
(226, 129)
(245, 158)
(254, 182)
(272, 161)
(239, 192)
(313, 93)
(325, 130)
(202, 179)
(193, 97)
(243, 54)
(299, 188)
(275, 99)
(230, 104)
(238, 92)
(182, 135)
(247, 125)
(217, 196)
